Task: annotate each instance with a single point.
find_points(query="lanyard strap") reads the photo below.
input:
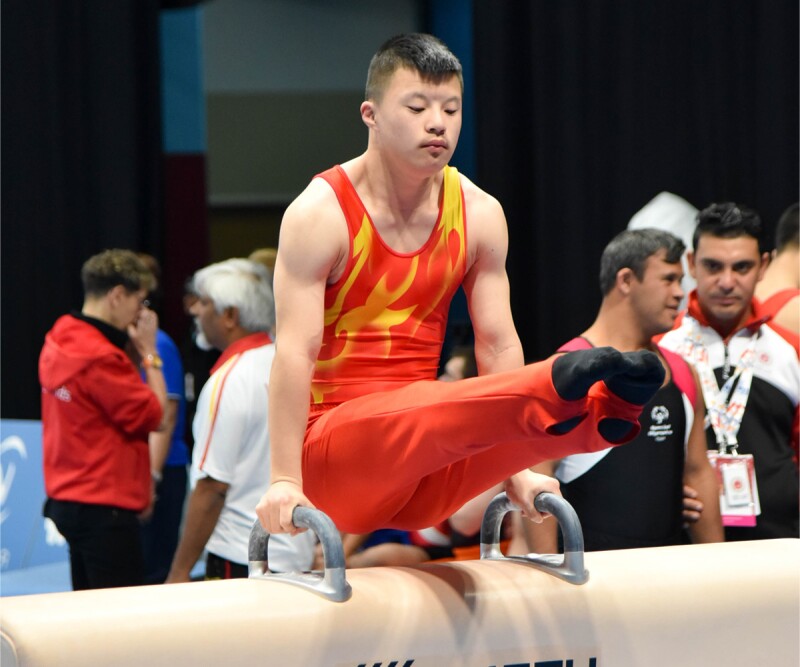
(724, 405)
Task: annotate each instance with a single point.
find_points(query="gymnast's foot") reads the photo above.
(641, 378)
(634, 377)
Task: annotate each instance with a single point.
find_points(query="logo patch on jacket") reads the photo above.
(62, 394)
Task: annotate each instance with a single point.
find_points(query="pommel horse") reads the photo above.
(735, 604)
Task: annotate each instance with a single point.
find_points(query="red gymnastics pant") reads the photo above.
(410, 457)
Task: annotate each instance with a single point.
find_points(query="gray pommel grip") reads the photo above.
(569, 567)
(332, 583)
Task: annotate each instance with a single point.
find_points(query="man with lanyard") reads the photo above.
(749, 373)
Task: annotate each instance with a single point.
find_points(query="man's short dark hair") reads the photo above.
(630, 250)
(103, 272)
(788, 231)
(728, 221)
(420, 52)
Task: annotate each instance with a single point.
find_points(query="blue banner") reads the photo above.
(26, 538)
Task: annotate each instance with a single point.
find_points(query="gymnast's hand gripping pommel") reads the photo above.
(332, 583)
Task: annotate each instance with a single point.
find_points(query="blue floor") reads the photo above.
(53, 578)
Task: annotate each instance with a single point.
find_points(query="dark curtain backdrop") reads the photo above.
(81, 156)
(588, 109)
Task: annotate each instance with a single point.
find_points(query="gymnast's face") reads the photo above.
(415, 120)
(657, 296)
(726, 270)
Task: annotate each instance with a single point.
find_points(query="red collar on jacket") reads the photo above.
(757, 316)
(258, 339)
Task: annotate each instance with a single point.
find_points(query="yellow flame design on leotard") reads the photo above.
(385, 318)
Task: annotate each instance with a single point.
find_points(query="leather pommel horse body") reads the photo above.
(721, 604)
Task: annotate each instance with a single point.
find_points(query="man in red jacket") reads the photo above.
(96, 417)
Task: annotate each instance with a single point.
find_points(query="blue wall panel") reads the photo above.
(24, 539)
(183, 101)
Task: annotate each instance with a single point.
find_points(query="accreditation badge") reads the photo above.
(738, 496)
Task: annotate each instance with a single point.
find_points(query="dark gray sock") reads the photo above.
(575, 372)
(642, 378)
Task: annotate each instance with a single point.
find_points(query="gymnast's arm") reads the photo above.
(313, 240)
(497, 345)
(700, 476)
(205, 506)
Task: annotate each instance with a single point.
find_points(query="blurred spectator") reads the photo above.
(266, 257)
(230, 462)
(198, 359)
(673, 214)
(749, 373)
(97, 415)
(169, 455)
(779, 290)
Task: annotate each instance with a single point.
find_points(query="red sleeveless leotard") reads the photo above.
(385, 318)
